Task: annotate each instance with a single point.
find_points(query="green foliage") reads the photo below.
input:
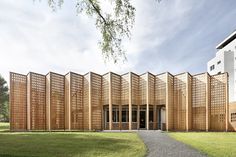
(4, 127)
(71, 144)
(114, 27)
(215, 144)
(4, 113)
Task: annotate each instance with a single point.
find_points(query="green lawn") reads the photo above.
(215, 144)
(70, 144)
(4, 126)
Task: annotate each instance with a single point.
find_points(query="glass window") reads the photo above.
(151, 116)
(212, 67)
(134, 116)
(115, 115)
(107, 115)
(233, 117)
(124, 118)
(125, 114)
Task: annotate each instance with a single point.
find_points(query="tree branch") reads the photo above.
(99, 13)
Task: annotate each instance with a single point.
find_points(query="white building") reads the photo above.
(225, 61)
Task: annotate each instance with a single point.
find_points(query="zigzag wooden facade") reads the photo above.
(180, 102)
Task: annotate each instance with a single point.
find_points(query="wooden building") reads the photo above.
(71, 102)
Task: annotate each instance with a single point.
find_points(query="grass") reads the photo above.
(70, 144)
(4, 126)
(215, 144)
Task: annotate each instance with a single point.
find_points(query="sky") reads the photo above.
(173, 35)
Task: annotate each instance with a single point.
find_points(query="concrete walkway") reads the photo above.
(159, 144)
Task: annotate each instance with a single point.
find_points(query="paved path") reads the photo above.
(161, 145)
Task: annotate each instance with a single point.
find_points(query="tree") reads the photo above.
(114, 26)
(4, 114)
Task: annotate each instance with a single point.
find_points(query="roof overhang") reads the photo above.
(227, 40)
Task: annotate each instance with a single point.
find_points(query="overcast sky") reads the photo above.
(174, 36)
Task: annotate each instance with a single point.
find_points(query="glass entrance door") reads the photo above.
(142, 119)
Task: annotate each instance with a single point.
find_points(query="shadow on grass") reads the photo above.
(64, 144)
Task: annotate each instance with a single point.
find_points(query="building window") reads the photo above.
(212, 67)
(107, 116)
(151, 116)
(233, 117)
(115, 114)
(219, 72)
(134, 113)
(218, 62)
(125, 114)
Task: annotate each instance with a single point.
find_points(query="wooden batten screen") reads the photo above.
(86, 100)
(116, 100)
(160, 89)
(57, 101)
(180, 87)
(125, 89)
(218, 102)
(199, 97)
(37, 101)
(160, 95)
(143, 89)
(96, 99)
(76, 98)
(115, 89)
(151, 89)
(18, 102)
(135, 89)
(170, 102)
(105, 89)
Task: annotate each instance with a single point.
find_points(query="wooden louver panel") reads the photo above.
(18, 101)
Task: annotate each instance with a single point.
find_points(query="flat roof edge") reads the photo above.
(227, 40)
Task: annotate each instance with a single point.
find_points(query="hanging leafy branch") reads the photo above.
(114, 27)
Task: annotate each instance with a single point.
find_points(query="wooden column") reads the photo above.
(167, 104)
(188, 103)
(68, 101)
(207, 101)
(227, 103)
(110, 103)
(69, 104)
(90, 106)
(130, 101)
(120, 116)
(28, 101)
(147, 99)
(138, 116)
(155, 117)
(48, 101)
